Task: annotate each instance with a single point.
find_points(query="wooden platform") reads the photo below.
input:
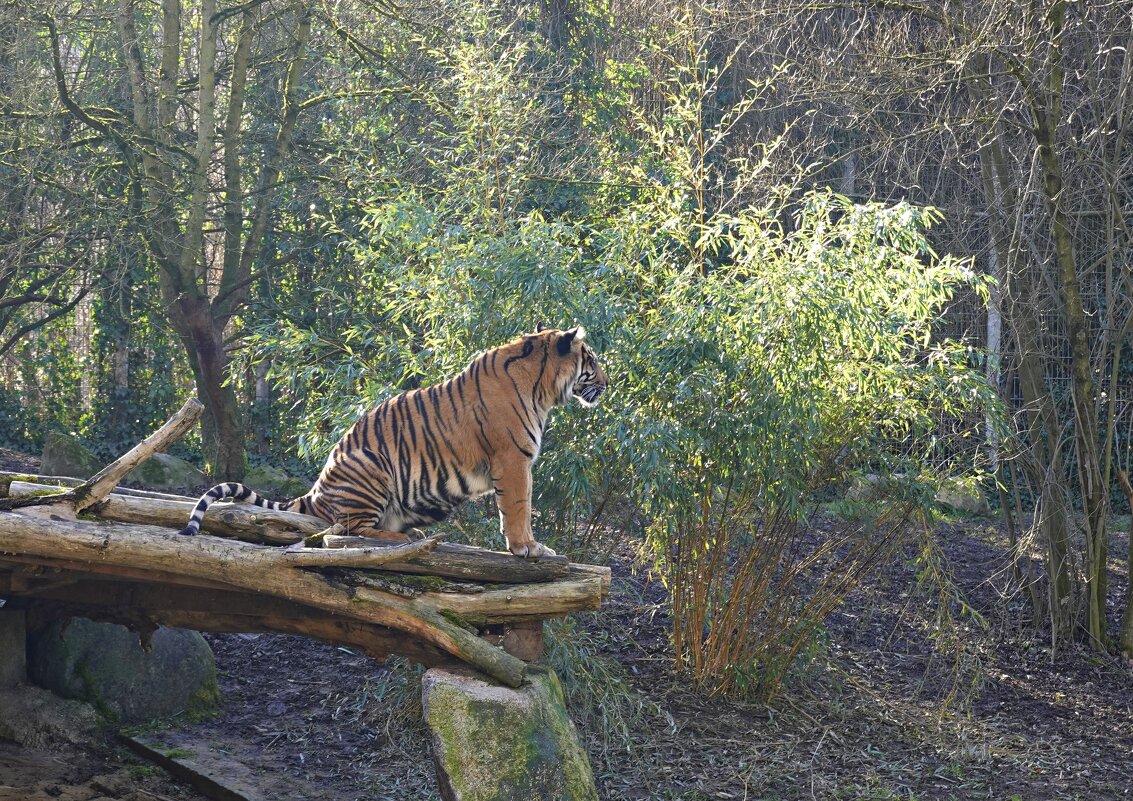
(96, 551)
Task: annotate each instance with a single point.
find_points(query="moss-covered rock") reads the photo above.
(105, 665)
(493, 743)
(164, 472)
(63, 455)
(963, 495)
(274, 483)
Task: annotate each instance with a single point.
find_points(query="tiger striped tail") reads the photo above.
(230, 489)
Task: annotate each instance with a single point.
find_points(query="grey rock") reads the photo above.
(13, 636)
(493, 743)
(275, 484)
(164, 472)
(104, 665)
(64, 455)
(964, 496)
(35, 718)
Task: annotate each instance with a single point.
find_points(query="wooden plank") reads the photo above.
(214, 774)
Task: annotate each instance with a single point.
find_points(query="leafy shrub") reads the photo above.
(765, 383)
(760, 353)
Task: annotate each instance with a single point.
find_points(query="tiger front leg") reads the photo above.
(512, 483)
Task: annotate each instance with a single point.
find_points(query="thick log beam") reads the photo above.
(515, 603)
(248, 567)
(129, 603)
(466, 563)
(238, 520)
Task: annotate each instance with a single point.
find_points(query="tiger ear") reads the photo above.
(540, 328)
(568, 338)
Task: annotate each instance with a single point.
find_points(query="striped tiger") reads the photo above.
(414, 458)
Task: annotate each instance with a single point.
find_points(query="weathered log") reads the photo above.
(579, 570)
(466, 563)
(371, 556)
(249, 567)
(98, 487)
(520, 602)
(49, 565)
(239, 520)
(409, 586)
(253, 524)
(66, 482)
(216, 610)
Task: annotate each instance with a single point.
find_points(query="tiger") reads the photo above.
(412, 459)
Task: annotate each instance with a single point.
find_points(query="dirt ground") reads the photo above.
(884, 709)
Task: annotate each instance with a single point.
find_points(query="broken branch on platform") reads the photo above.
(99, 486)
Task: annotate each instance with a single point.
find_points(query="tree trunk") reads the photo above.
(179, 204)
(1016, 301)
(1046, 111)
(222, 429)
(1126, 634)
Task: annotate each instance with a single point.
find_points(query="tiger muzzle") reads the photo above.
(591, 392)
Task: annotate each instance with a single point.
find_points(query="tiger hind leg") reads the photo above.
(363, 522)
(363, 528)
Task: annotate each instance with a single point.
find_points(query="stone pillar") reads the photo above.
(13, 648)
(493, 743)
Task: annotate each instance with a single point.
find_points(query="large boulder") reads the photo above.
(13, 653)
(271, 482)
(104, 664)
(962, 495)
(64, 455)
(493, 743)
(164, 472)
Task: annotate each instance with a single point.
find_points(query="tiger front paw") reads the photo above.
(531, 550)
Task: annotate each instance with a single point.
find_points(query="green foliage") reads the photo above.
(466, 179)
(44, 391)
(760, 354)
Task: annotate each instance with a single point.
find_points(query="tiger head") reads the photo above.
(581, 378)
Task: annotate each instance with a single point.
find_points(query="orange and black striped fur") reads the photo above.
(414, 458)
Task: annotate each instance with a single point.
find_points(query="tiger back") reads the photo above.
(411, 460)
